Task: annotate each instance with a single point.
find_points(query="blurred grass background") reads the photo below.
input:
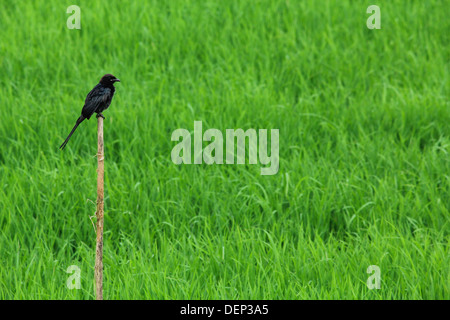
(364, 149)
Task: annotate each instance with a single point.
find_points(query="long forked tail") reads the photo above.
(80, 119)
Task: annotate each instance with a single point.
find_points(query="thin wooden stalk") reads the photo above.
(100, 213)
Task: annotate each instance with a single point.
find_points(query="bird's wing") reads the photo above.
(98, 96)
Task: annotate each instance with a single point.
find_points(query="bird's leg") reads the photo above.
(100, 115)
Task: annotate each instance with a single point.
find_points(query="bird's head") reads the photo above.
(108, 80)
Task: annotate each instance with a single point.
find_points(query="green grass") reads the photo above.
(364, 149)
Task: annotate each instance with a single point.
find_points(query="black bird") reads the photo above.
(96, 101)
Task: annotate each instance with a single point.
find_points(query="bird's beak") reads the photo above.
(116, 80)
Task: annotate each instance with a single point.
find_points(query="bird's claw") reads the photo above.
(100, 115)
